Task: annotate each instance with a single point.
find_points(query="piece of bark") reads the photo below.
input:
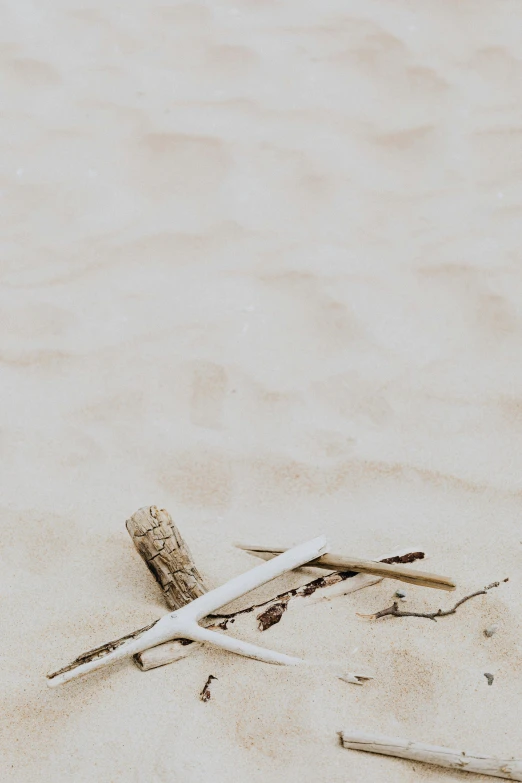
(322, 589)
(510, 769)
(166, 555)
(345, 562)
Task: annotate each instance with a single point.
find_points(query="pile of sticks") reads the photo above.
(193, 619)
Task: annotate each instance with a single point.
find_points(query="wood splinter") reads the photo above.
(205, 694)
(510, 769)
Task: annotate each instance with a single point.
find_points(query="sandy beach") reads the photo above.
(261, 267)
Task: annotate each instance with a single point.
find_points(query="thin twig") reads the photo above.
(394, 611)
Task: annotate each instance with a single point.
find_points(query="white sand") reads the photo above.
(261, 266)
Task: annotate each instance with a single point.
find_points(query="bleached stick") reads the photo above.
(348, 563)
(510, 769)
(183, 623)
(318, 590)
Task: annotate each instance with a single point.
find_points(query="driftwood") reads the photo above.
(345, 563)
(270, 612)
(510, 769)
(183, 623)
(166, 555)
(150, 527)
(394, 611)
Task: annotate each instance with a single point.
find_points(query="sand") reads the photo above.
(260, 266)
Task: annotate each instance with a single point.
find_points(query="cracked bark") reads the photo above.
(166, 555)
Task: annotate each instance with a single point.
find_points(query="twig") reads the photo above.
(205, 694)
(510, 769)
(394, 611)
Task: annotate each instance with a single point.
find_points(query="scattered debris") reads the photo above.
(491, 630)
(489, 677)
(205, 694)
(270, 616)
(394, 611)
(400, 594)
(511, 769)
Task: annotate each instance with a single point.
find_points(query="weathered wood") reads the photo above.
(270, 612)
(510, 769)
(346, 562)
(183, 623)
(166, 555)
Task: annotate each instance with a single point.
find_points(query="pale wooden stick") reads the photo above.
(347, 563)
(166, 555)
(183, 623)
(324, 589)
(510, 769)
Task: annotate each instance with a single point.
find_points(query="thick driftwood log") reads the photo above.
(166, 555)
(270, 612)
(510, 769)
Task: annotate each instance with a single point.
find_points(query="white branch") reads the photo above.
(182, 623)
(510, 769)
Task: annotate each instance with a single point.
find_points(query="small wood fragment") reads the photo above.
(510, 769)
(205, 694)
(347, 563)
(166, 555)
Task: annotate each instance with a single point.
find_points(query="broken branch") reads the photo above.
(510, 769)
(394, 611)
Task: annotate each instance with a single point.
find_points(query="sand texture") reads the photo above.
(260, 265)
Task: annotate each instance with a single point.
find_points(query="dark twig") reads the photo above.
(394, 611)
(205, 694)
